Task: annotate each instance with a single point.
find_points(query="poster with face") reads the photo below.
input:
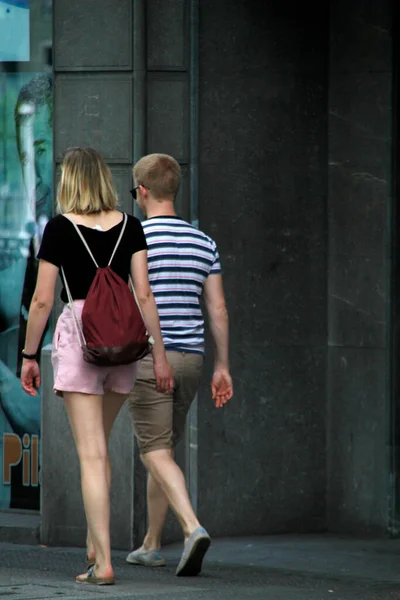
(14, 30)
(26, 202)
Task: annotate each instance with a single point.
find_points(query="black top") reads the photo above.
(62, 246)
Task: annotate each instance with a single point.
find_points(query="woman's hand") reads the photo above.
(163, 375)
(30, 376)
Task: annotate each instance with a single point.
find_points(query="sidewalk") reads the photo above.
(276, 567)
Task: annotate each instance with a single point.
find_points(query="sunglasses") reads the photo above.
(134, 193)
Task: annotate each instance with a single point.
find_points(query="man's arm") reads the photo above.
(221, 385)
(218, 316)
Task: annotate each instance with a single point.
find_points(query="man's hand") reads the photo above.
(30, 377)
(221, 387)
(163, 375)
(221, 383)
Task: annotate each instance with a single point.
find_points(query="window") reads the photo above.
(26, 204)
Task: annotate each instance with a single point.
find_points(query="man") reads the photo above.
(183, 265)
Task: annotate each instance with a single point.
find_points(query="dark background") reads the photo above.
(295, 185)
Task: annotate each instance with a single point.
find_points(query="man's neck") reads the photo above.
(161, 208)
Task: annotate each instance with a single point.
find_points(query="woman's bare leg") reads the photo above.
(85, 412)
(112, 404)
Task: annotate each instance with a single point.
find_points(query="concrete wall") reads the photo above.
(281, 122)
(263, 184)
(307, 443)
(360, 155)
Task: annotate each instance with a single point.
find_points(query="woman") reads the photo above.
(92, 395)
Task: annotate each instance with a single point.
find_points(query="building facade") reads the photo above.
(283, 123)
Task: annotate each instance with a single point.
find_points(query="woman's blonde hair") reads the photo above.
(86, 185)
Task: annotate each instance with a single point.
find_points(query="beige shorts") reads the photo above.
(159, 419)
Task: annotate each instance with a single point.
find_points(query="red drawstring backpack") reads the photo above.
(113, 330)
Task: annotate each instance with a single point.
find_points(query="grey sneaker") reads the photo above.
(149, 558)
(193, 553)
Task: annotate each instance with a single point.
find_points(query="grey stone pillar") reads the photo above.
(124, 85)
(262, 197)
(359, 200)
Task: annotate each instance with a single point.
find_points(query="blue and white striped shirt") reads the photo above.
(180, 258)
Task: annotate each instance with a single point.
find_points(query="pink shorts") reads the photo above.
(73, 374)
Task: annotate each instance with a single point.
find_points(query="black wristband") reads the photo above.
(29, 356)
